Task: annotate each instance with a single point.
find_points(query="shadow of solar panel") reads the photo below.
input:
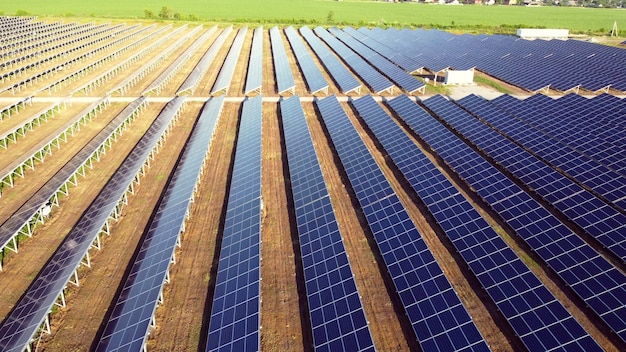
(335, 309)
(342, 77)
(312, 74)
(529, 219)
(438, 318)
(22, 323)
(501, 273)
(225, 76)
(282, 69)
(235, 316)
(254, 78)
(127, 327)
(376, 81)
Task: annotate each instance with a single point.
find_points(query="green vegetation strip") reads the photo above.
(472, 18)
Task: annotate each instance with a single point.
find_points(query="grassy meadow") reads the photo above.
(355, 12)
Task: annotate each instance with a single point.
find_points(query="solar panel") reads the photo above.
(598, 219)
(254, 78)
(128, 325)
(376, 81)
(402, 79)
(226, 73)
(312, 74)
(200, 69)
(392, 55)
(499, 270)
(591, 276)
(335, 309)
(282, 69)
(235, 312)
(30, 312)
(438, 318)
(340, 74)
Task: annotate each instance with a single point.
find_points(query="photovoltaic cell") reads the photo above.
(282, 69)
(523, 300)
(226, 73)
(337, 316)
(438, 318)
(342, 77)
(312, 74)
(235, 312)
(128, 325)
(591, 277)
(254, 79)
(22, 323)
(598, 219)
(374, 79)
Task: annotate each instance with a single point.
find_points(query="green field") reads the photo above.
(359, 13)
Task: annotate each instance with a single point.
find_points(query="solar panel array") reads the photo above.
(588, 152)
(312, 74)
(235, 320)
(282, 69)
(254, 78)
(128, 325)
(340, 74)
(203, 65)
(596, 281)
(439, 319)
(222, 82)
(533, 65)
(537, 318)
(402, 79)
(374, 79)
(598, 219)
(335, 310)
(31, 310)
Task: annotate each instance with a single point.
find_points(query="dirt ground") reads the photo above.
(182, 321)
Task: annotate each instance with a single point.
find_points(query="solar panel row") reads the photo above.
(225, 76)
(376, 81)
(335, 309)
(312, 74)
(598, 219)
(537, 318)
(437, 316)
(282, 69)
(598, 283)
(254, 78)
(340, 74)
(402, 79)
(235, 319)
(128, 325)
(31, 311)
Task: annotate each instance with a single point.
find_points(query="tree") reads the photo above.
(148, 13)
(166, 13)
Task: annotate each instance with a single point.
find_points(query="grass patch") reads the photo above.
(491, 83)
(440, 88)
(485, 19)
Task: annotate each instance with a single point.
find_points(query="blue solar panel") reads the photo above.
(597, 218)
(312, 74)
(439, 320)
(402, 79)
(392, 55)
(376, 81)
(22, 323)
(554, 144)
(254, 79)
(588, 274)
(282, 69)
(335, 309)
(225, 76)
(500, 271)
(342, 77)
(235, 316)
(128, 325)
